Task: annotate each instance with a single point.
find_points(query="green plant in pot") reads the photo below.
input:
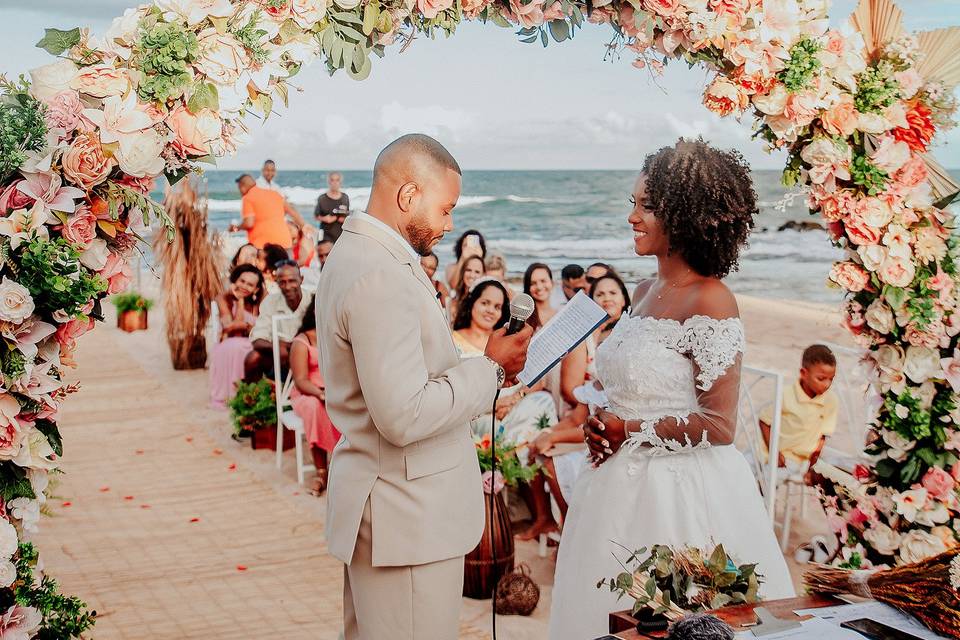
(132, 310)
(253, 407)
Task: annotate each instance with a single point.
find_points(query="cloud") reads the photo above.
(337, 128)
(436, 120)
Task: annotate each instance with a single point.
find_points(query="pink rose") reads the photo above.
(841, 118)
(938, 483)
(723, 97)
(194, 133)
(555, 12)
(81, 228)
(837, 205)
(897, 271)
(835, 42)
(912, 173)
(117, 272)
(849, 276)
(860, 233)
(527, 15)
(920, 338)
(665, 8)
(472, 8)
(12, 198)
(430, 8)
(84, 163)
(955, 472)
(801, 108)
(65, 111)
(735, 11)
(144, 185)
(67, 335)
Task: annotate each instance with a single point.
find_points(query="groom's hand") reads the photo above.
(510, 352)
(604, 434)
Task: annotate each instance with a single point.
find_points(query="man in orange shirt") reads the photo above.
(264, 214)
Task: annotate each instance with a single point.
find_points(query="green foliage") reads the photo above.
(49, 428)
(52, 271)
(63, 616)
(131, 301)
(251, 38)
(802, 66)
(57, 41)
(22, 126)
(13, 364)
(253, 407)
(164, 55)
(877, 89)
(121, 196)
(864, 174)
(915, 425)
(508, 464)
(14, 482)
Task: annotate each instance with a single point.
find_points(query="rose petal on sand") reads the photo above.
(232, 467)
(189, 438)
(144, 506)
(218, 452)
(128, 497)
(194, 519)
(66, 504)
(139, 452)
(241, 567)
(104, 489)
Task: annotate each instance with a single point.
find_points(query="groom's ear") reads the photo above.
(406, 195)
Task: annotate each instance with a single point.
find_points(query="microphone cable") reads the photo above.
(493, 480)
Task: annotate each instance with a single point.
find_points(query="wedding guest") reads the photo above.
(596, 271)
(290, 300)
(572, 280)
(430, 264)
(303, 246)
(329, 205)
(468, 245)
(238, 309)
(470, 269)
(270, 256)
(308, 398)
(495, 266)
(538, 284)
(264, 214)
(808, 412)
(247, 254)
(266, 180)
(323, 250)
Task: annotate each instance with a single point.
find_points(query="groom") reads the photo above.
(404, 499)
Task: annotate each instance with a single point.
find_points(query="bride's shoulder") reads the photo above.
(641, 290)
(713, 300)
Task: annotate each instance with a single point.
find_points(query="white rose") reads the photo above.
(918, 545)
(882, 538)
(27, 511)
(16, 304)
(8, 539)
(139, 154)
(222, 57)
(921, 363)
(35, 452)
(309, 12)
(94, 257)
(8, 573)
(875, 212)
(347, 4)
(824, 151)
(890, 155)
(39, 479)
(50, 79)
(879, 316)
(872, 123)
(936, 514)
(196, 10)
(872, 256)
(899, 446)
(122, 33)
(774, 102)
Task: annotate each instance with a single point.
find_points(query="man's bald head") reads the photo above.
(410, 157)
(416, 185)
(245, 182)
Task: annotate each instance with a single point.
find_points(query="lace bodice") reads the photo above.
(655, 368)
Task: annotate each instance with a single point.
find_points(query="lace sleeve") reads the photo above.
(716, 348)
(714, 345)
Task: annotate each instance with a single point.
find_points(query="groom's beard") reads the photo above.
(420, 236)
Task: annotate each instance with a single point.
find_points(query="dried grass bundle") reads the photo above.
(927, 590)
(192, 264)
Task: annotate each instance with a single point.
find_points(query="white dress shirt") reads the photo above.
(362, 215)
(263, 183)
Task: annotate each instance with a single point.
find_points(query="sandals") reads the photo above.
(320, 484)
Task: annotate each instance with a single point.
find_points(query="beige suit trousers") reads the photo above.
(420, 602)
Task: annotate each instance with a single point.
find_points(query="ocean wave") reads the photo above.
(306, 197)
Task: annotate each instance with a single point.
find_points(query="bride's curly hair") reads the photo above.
(705, 202)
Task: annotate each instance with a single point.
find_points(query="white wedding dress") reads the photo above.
(669, 485)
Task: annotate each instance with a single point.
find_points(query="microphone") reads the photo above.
(521, 308)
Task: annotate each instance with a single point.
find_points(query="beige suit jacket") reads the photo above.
(401, 397)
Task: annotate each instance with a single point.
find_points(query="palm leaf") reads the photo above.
(940, 60)
(879, 21)
(942, 184)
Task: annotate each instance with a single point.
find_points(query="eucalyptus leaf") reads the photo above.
(289, 30)
(651, 587)
(359, 58)
(529, 40)
(336, 53)
(370, 14)
(56, 41)
(348, 18)
(624, 581)
(543, 38)
(560, 30)
(327, 39)
(205, 96)
(351, 33)
(364, 72)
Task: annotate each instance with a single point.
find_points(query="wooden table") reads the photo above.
(624, 626)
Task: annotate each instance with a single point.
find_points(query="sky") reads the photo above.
(495, 102)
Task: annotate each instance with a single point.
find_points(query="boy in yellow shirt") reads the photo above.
(808, 413)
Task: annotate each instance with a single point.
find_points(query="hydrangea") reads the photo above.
(166, 51)
(802, 66)
(877, 89)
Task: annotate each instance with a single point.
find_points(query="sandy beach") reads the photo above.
(169, 528)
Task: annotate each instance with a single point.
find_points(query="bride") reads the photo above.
(665, 470)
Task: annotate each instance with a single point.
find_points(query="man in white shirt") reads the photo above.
(292, 299)
(572, 280)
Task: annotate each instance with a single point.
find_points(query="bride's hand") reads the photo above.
(604, 434)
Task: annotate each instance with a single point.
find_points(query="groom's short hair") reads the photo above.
(413, 146)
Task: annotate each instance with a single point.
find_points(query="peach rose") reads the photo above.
(897, 271)
(801, 108)
(527, 15)
(101, 81)
(665, 8)
(555, 12)
(84, 163)
(860, 233)
(117, 273)
(920, 338)
(430, 8)
(872, 255)
(879, 316)
(81, 228)
(910, 82)
(841, 118)
(913, 173)
(222, 57)
(724, 97)
(849, 276)
(890, 155)
(774, 102)
(194, 133)
(874, 212)
(67, 335)
(50, 79)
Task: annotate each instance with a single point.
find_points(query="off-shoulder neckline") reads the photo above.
(696, 316)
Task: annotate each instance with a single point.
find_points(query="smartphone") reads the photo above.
(876, 630)
(473, 241)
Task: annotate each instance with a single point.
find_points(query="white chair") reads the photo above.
(760, 389)
(213, 326)
(286, 418)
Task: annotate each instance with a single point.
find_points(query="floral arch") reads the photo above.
(168, 86)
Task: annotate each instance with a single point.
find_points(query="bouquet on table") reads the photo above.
(509, 470)
(675, 582)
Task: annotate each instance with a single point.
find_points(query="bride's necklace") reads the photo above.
(676, 283)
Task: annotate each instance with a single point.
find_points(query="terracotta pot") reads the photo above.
(266, 438)
(480, 573)
(132, 320)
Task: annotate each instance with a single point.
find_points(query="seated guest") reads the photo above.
(323, 250)
(538, 284)
(572, 280)
(596, 271)
(470, 270)
(808, 412)
(264, 214)
(430, 263)
(332, 207)
(308, 398)
(495, 266)
(247, 254)
(238, 308)
(468, 245)
(291, 299)
(302, 249)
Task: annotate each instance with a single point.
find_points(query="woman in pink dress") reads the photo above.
(308, 397)
(238, 307)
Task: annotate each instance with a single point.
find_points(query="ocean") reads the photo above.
(559, 217)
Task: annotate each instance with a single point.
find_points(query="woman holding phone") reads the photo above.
(467, 246)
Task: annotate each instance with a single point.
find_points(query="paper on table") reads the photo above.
(574, 322)
(873, 610)
(811, 629)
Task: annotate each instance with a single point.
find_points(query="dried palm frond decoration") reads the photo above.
(927, 590)
(880, 22)
(941, 182)
(939, 60)
(192, 264)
